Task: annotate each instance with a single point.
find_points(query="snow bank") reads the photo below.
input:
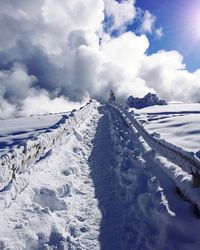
(13, 189)
(21, 158)
(140, 195)
(186, 160)
(15, 130)
(183, 160)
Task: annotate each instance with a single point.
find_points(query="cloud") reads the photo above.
(148, 22)
(120, 13)
(165, 72)
(47, 23)
(122, 66)
(16, 84)
(42, 104)
(20, 95)
(6, 109)
(159, 32)
(60, 53)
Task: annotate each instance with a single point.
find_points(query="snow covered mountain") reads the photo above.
(101, 178)
(148, 100)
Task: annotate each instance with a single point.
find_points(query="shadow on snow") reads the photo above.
(106, 186)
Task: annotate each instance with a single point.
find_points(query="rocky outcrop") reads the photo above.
(148, 100)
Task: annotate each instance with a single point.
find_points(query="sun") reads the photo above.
(192, 22)
(194, 25)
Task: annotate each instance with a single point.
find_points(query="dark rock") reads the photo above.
(148, 100)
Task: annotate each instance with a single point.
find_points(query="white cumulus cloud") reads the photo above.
(121, 13)
(148, 22)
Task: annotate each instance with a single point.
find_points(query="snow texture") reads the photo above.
(176, 123)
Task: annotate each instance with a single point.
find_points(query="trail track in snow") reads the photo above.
(99, 190)
(102, 163)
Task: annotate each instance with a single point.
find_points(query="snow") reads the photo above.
(51, 212)
(176, 123)
(23, 156)
(100, 186)
(147, 187)
(172, 108)
(13, 131)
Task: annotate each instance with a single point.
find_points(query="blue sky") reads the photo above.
(176, 18)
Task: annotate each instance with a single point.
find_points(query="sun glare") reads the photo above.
(194, 25)
(192, 18)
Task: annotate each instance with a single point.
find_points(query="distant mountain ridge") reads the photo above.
(148, 100)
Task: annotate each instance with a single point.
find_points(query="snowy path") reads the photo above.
(106, 185)
(101, 189)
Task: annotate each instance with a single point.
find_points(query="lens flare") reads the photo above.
(185, 27)
(192, 21)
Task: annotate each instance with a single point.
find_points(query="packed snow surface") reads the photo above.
(176, 123)
(100, 187)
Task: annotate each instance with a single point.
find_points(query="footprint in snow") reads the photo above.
(46, 197)
(73, 231)
(84, 229)
(66, 172)
(77, 135)
(68, 190)
(65, 190)
(80, 218)
(78, 151)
